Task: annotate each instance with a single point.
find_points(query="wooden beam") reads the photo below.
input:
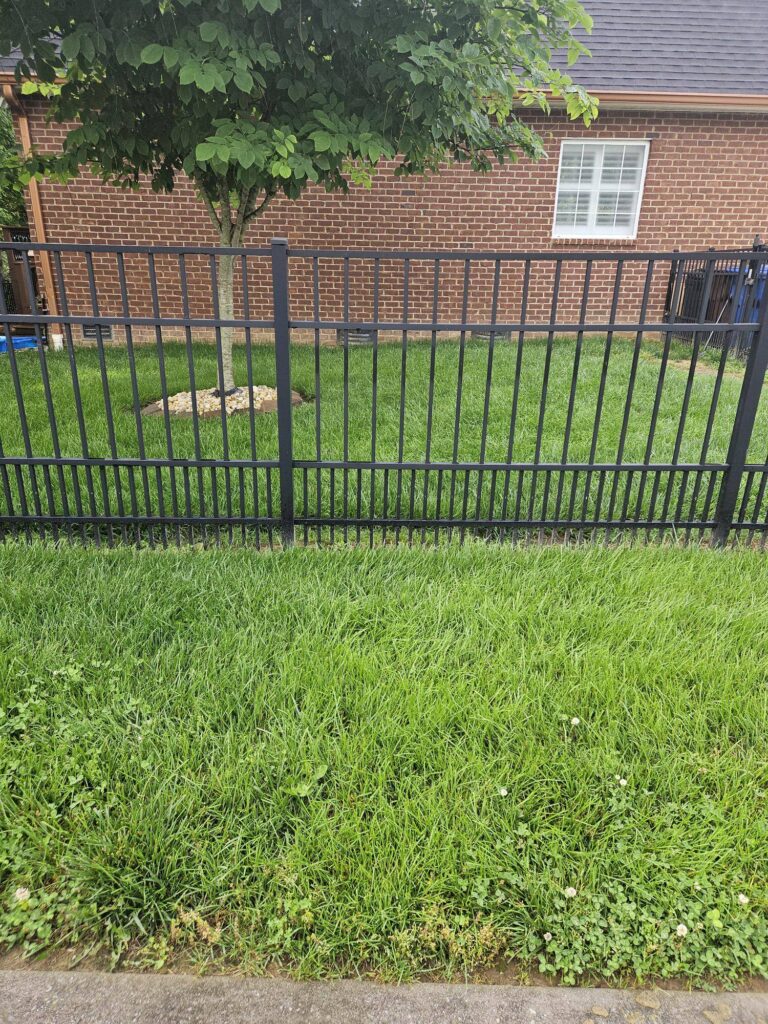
(38, 221)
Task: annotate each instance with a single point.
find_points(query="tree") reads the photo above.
(251, 98)
(12, 208)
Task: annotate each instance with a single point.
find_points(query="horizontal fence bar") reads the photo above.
(508, 524)
(632, 467)
(171, 250)
(543, 327)
(570, 255)
(367, 464)
(134, 321)
(137, 463)
(456, 326)
(141, 520)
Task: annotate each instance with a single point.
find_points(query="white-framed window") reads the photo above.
(599, 188)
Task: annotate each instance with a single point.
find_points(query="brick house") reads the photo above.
(676, 159)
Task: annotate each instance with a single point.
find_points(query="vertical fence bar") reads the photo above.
(543, 402)
(516, 392)
(459, 392)
(283, 382)
(318, 471)
(165, 396)
(193, 388)
(374, 390)
(431, 395)
(214, 272)
(488, 382)
(251, 405)
(345, 399)
(744, 422)
(403, 372)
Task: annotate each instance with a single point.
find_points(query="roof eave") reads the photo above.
(626, 99)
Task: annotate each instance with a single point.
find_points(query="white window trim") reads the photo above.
(601, 233)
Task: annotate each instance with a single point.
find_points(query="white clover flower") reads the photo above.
(547, 936)
(697, 886)
(622, 782)
(743, 900)
(570, 892)
(575, 720)
(22, 894)
(503, 791)
(681, 930)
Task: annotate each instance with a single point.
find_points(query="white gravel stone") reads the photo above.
(209, 402)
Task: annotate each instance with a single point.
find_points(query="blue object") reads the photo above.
(21, 342)
(746, 296)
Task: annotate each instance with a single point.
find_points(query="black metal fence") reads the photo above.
(417, 396)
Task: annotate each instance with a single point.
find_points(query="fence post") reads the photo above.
(744, 421)
(283, 382)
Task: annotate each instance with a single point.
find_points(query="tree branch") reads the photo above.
(210, 208)
(269, 196)
(226, 212)
(244, 201)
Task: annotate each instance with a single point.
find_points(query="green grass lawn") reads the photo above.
(370, 760)
(537, 431)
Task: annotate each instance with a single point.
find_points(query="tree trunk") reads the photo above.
(226, 312)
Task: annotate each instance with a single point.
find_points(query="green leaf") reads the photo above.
(244, 81)
(70, 46)
(209, 30)
(322, 141)
(270, 6)
(152, 54)
(170, 57)
(189, 72)
(205, 150)
(417, 77)
(87, 48)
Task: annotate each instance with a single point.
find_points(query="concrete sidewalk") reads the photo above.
(57, 997)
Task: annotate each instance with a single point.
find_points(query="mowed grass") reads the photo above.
(394, 761)
(702, 403)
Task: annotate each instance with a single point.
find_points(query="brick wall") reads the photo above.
(706, 185)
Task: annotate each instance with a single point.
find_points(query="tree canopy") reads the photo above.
(251, 98)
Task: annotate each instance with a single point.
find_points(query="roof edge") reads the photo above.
(620, 99)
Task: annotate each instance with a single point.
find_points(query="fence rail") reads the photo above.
(409, 396)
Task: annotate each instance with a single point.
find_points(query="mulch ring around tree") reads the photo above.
(209, 403)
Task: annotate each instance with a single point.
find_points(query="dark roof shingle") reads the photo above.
(694, 46)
